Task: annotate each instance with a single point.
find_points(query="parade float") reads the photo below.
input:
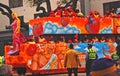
(44, 52)
(49, 38)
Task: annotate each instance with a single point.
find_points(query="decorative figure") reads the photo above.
(17, 36)
(59, 12)
(93, 24)
(52, 14)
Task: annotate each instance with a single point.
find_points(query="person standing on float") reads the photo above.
(16, 34)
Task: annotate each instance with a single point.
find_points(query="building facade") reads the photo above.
(26, 9)
(103, 5)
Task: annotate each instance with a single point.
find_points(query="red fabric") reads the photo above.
(52, 14)
(31, 50)
(22, 38)
(15, 36)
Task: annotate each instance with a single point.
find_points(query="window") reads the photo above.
(15, 3)
(110, 5)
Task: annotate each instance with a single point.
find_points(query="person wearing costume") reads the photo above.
(17, 36)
